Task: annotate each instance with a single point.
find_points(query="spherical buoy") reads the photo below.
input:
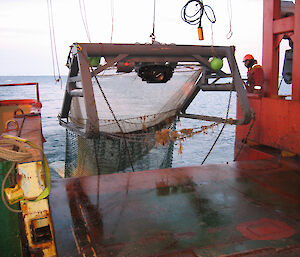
(94, 61)
(216, 63)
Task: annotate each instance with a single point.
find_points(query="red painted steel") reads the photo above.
(296, 54)
(266, 229)
(277, 124)
(270, 51)
(284, 25)
(212, 210)
(277, 120)
(25, 84)
(17, 102)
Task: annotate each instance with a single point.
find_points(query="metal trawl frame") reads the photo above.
(80, 71)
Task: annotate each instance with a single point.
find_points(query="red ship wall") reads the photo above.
(277, 120)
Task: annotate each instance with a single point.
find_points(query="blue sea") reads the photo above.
(194, 149)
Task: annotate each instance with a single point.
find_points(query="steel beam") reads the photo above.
(283, 25)
(239, 87)
(106, 49)
(71, 83)
(92, 123)
(270, 50)
(114, 53)
(296, 53)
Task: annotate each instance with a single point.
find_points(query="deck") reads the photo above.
(249, 208)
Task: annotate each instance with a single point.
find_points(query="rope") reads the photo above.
(14, 157)
(84, 19)
(53, 42)
(226, 118)
(20, 156)
(11, 155)
(2, 189)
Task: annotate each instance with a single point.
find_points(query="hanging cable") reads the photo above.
(112, 19)
(280, 84)
(53, 42)
(196, 16)
(111, 110)
(153, 31)
(115, 118)
(244, 141)
(227, 113)
(212, 42)
(84, 19)
(229, 9)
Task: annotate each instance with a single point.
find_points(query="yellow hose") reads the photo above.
(20, 156)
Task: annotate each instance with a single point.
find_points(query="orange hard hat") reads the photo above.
(248, 57)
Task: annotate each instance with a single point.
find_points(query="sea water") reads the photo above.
(194, 149)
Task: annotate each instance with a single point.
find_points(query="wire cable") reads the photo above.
(196, 17)
(229, 9)
(225, 123)
(111, 110)
(153, 30)
(244, 141)
(84, 19)
(53, 42)
(115, 118)
(112, 19)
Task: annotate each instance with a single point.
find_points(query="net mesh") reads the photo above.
(108, 154)
(136, 103)
(140, 109)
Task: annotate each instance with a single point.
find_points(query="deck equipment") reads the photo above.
(83, 113)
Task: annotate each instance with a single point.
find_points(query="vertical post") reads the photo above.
(296, 53)
(239, 87)
(92, 123)
(270, 49)
(70, 85)
(37, 92)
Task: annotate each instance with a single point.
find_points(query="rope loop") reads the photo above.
(196, 17)
(19, 156)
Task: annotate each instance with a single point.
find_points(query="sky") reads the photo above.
(25, 45)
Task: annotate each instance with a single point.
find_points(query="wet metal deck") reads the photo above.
(249, 207)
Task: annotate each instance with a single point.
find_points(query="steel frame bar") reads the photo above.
(275, 28)
(80, 70)
(92, 125)
(277, 119)
(296, 54)
(270, 50)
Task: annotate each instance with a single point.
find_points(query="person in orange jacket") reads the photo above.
(255, 74)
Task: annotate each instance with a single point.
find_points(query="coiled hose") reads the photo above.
(21, 155)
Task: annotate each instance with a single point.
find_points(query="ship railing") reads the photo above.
(25, 84)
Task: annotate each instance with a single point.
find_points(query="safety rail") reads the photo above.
(25, 84)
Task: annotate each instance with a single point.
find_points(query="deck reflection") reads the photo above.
(205, 210)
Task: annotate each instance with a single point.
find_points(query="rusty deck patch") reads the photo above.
(211, 210)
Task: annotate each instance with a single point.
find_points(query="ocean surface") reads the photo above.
(194, 149)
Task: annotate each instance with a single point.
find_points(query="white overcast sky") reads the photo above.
(25, 37)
